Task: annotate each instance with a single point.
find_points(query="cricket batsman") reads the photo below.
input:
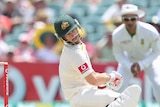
(81, 85)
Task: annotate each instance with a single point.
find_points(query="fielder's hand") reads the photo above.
(116, 81)
(135, 69)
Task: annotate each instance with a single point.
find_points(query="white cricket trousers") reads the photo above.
(93, 97)
(153, 72)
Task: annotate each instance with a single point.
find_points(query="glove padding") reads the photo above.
(115, 82)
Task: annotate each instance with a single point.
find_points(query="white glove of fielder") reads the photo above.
(115, 82)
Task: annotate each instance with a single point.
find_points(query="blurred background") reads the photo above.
(28, 43)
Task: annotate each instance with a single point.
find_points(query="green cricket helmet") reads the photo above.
(64, 25)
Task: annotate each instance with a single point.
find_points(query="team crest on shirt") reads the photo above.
(64, 25)
(83, 68)
(142, 41)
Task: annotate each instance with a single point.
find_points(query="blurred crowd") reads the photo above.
(27, 31)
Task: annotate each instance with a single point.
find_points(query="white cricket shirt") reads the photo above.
(73, 67)
(143, 47)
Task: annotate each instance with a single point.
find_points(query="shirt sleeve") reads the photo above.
(119, 53)
(82, 64)
(155, 46)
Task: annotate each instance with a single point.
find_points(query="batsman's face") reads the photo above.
(73, 36)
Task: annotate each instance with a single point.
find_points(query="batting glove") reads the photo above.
(115, 82)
